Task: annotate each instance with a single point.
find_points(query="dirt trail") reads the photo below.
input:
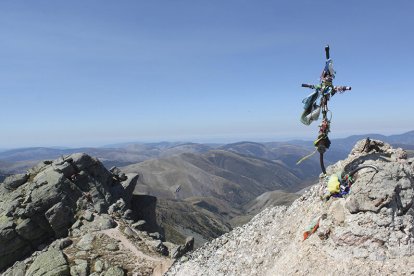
(161, 264)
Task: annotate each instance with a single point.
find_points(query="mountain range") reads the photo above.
(218, 187)
(20, 159)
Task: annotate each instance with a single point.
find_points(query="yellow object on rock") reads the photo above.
(333, 184)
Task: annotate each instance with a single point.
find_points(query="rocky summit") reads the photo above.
(72, 216)
(369, 231)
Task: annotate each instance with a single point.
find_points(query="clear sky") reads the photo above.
(86, 73)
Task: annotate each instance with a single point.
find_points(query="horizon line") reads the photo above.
(210, 140)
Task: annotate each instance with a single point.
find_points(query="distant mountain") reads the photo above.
(19, 160)
(37, 153)
(203, 194)
(405, 138)
(341, 147)
(130, 153)
(157, 145)
(283, 153)
(250, 149)
(346, 144)
(231, 177)
(185, 148)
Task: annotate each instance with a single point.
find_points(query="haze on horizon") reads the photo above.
(98, 72)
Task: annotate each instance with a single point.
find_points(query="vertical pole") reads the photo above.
(321, 161)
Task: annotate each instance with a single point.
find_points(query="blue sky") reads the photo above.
(88, 73)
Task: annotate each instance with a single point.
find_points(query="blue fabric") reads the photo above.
(310, 100)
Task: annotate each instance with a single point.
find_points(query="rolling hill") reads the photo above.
(221, 174)
(218, 190)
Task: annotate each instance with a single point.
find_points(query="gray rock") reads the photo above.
(128, 214)
(118, 173)
(158, 246)
(60, 217)
(176, 252)
(112, 247)
(129, 232)
(126, 189)
(189, 244)
(100, 222)
(179, 251)
(338, 211)
(11, 208)
(104, 222)
(12, 246)
(83, 161)
(118, 208)
(115, 170)
(14, 181)
(18, 269)
(30, 230)
(64, 243)
(122, 177)
(86, 243)
(155, 235)
(115, 271)
(98, 266)
(42, 204)
(77, 224)
(80, 269)
(88, 215)
(82, 254)
(66, 168)
(139, 225)
(51, 262)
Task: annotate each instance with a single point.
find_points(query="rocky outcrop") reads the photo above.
(51, 262)
(368, 232)
(72, 216)
(42, 204)
(144, 209)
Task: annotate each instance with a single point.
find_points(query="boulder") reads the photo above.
(86, 243)
(158, 246)
(98, 266)
(179, 251)
(49, 263)
(80, 269)
(129, 232)
(60, 217)
(29, 230)
(88, 215)
(12, 246)
(114, 271)
(14, 181)
(18, 269)
(118, 173)
(139, 225)
(66, 168)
